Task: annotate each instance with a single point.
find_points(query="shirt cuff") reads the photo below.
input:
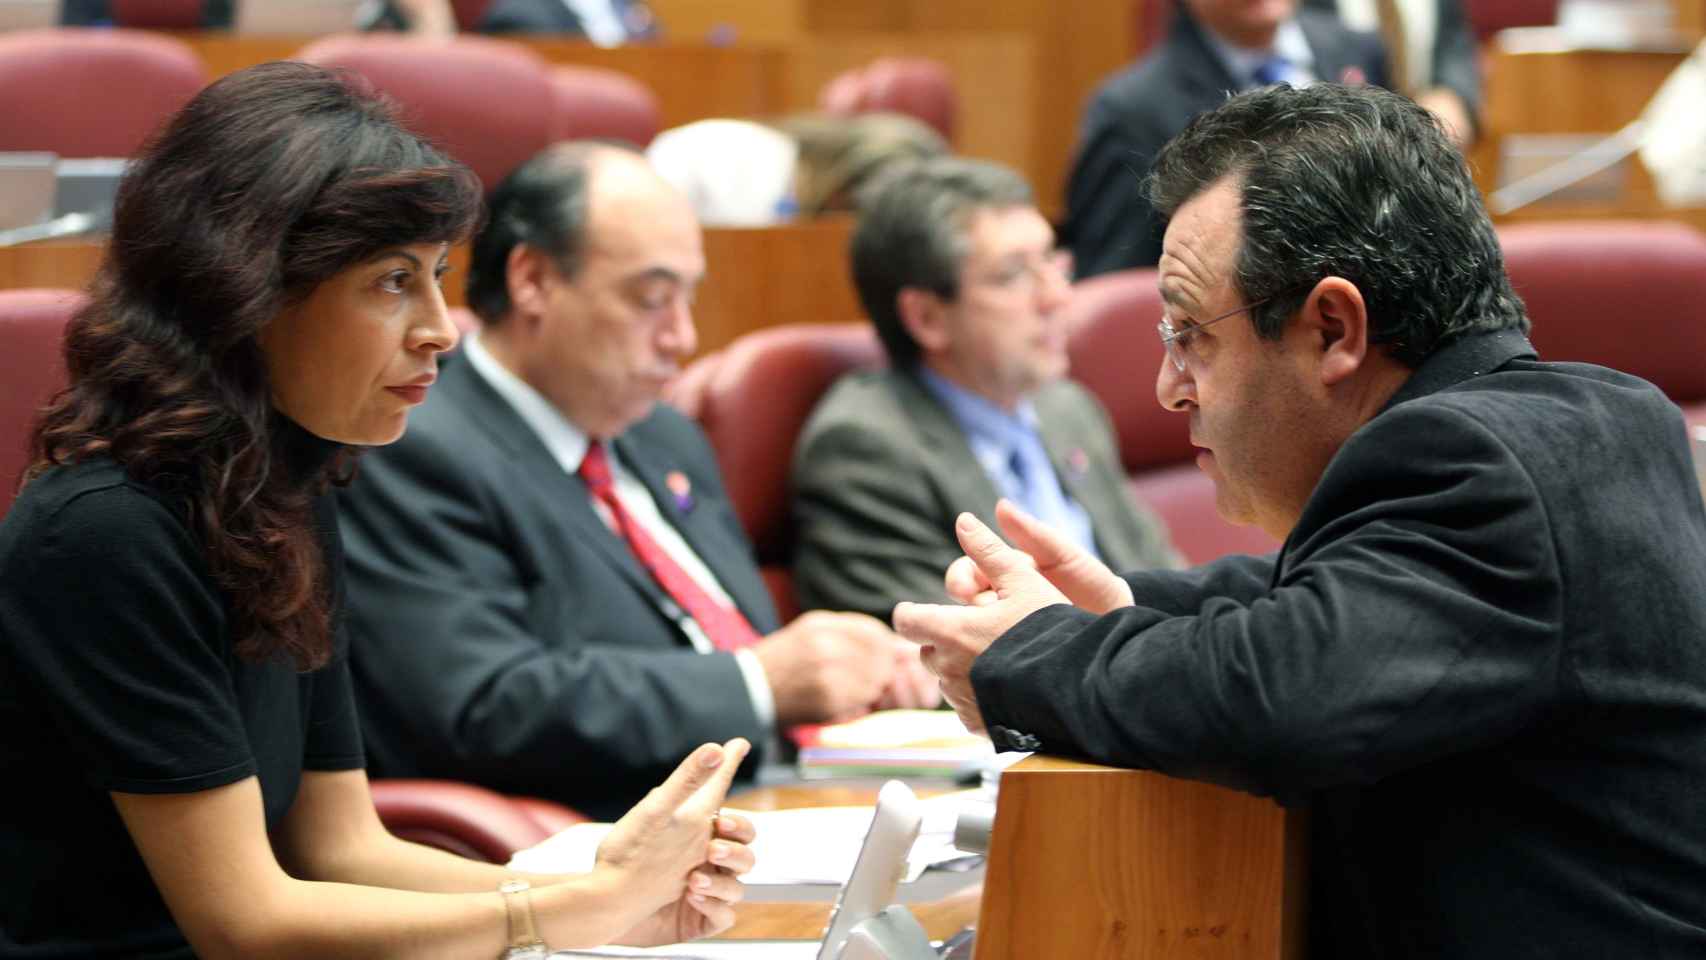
(757, 687)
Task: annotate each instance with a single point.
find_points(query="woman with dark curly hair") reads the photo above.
(177, 730)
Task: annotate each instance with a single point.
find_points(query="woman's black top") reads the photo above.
(117, 673)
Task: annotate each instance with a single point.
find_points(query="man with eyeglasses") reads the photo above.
(960, 276)
(1479, 659)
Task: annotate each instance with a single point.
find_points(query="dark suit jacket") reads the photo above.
(1110, 224)
(530, 16)
(1456, 61)
(1480, 656)
(882, 469)
(502, 634)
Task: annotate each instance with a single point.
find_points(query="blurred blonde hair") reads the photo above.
(840, 154)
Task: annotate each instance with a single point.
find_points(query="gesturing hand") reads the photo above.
(1086, 581)
(669, 860)
(952, 637)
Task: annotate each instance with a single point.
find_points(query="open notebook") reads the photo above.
(876, 876)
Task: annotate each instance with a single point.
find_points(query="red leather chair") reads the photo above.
(1630, 296)
(1116, 353)
(91, 93)
(32, 370)
(465, 819)
(595, 102)
(485, 101)
(469, 12)
(1487, 17)
(1151, 19)
(752, 398)
(158, 14)
(914, 86)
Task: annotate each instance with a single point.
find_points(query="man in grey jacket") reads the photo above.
(959, 274)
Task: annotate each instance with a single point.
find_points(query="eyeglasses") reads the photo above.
(1176, 341)
(1033, 272)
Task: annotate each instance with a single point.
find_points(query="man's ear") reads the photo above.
(924, 316)
(528, 272)
(1337, 320)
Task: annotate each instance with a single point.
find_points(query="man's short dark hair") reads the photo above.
(1352, 182)
(542, 204)
(912, 233)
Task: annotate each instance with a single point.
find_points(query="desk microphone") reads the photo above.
(971, 830)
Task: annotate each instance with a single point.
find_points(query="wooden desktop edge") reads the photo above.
(1090, 862)
(1096, 863)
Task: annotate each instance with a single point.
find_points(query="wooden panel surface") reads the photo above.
(754, 277)
(1095, 863)
(692, 81)
(997, 74)
(742, 21)
(994, 78)
(1074, 46)
(761, 277)
(1538, 84)
(1691, 18)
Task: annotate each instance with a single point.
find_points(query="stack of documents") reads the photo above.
(896, 743)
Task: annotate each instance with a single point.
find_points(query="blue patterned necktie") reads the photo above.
(1275, 69)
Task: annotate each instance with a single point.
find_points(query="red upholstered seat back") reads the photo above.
(32, 370)
(752, 398)
(465, 819)
(1630, 296)
(1150, 21)
(486, 102)
(1116, 353)
(469, 12)
(915, 86)
(595, 102)
(91, 93)
(1487, 17)
(158, 14)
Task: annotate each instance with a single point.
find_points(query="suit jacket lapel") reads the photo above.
(534, 465)
(966, 485)
(1330, 44)
(721, 553)
(1202, 72)
(1066, 453)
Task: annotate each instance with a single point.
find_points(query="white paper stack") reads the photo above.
(802, 855)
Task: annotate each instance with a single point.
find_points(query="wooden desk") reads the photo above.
(1097, 863)
(806, 921)
(1537, 83)
(995, 72)
(1073, 47)
(755, 277)
(692, 81)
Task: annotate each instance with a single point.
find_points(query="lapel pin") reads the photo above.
(681, 489)
(1079, 461)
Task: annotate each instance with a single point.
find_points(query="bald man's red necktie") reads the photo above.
(724, 626)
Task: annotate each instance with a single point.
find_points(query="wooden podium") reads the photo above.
(1095, 863)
